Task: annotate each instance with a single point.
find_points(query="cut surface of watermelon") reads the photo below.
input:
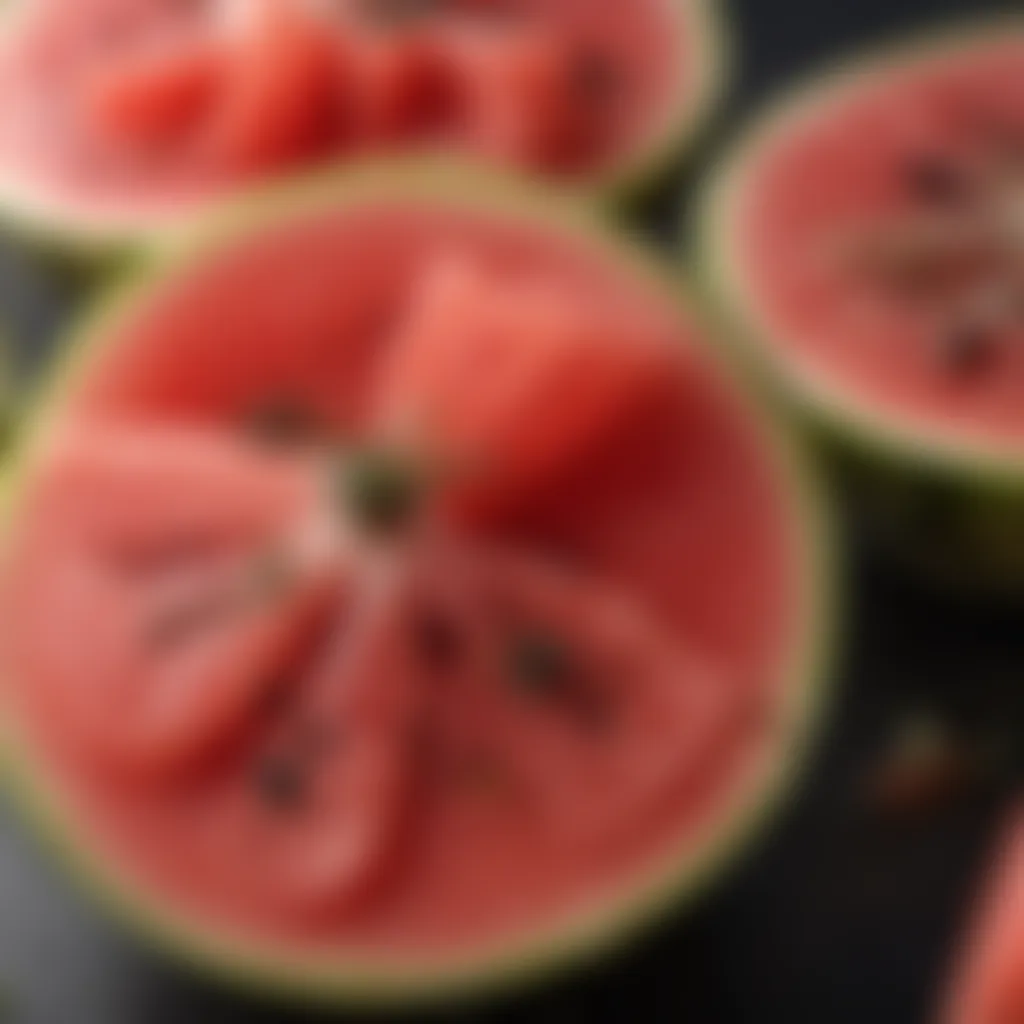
(870, 236)
(559, 375)
(312, 717)
(124, 115)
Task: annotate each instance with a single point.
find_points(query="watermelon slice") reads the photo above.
(526, 97)
(990, 980)
(305, 725)
(484, 367)
(278, 107)
(403, 90)
(882, 283)
(170, 577)
(122, 119)
(156, 98)
(567, 688)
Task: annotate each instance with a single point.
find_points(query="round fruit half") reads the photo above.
(123, 117)
(865, 239)
(399, 596)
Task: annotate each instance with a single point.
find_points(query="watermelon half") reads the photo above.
(864, 239)
(355, 650)
(122, 118)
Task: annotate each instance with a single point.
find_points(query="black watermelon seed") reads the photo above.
(539, 664)
(280, 783)
(597, 76)
(965, 350)
(284, 422)
(381, 490)
(935, 180)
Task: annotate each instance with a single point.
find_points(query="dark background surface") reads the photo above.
(837, 916)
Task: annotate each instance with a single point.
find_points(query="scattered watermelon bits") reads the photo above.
(404, 644)
(123, 112)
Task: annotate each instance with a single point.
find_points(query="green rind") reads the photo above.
(640, 175)
(390, 982)
(86, 254)
(899, 473)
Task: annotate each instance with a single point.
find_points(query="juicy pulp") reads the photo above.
(867, 236)
(410, 847)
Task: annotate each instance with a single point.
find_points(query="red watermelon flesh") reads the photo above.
(875, 238)
(166, 579)
(278, 106)
(990, 980)
(522, 96)
(94, 98)
(157, 97)
(510, 381)
(401, 89)
(413, 743)
(579, 656)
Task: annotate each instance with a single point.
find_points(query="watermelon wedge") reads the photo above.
(533, 349)
(329, 711)
(989, 985)
(157, 97)
(880, 284)
(127, 117)
(277, 107)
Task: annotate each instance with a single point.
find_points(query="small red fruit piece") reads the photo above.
(511, 381)
(403, 92)
(154, 98)
(520, 100)
(281, 89)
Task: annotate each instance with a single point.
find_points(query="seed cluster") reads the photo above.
(959, 252)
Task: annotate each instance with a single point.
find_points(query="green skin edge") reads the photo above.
(86, 254)
(890, 459)
(385, 982)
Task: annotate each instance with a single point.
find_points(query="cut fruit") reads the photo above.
(509, 382)
(129, 117)
(368, 748)
(525, 101)
(167, 580)
(990, 980)
(402, 92)
(568, 688)
(351, 794)
(278, 106)
(881, 284)
(157, 98)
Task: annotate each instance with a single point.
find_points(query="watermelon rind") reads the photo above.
(84, 246)
(384, 981)
(950, 508)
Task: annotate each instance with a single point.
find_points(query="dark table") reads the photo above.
(835, 916)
